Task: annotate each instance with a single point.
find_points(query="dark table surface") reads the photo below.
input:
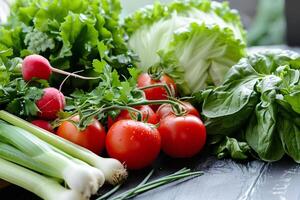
(222, 180)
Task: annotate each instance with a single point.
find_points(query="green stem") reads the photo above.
(147, 187)
(109, 193)
(146, 178)
(131, 192)
(114, 107)
(143, 186)
(175, 104)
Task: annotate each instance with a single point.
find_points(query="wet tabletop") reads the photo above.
(222, 180)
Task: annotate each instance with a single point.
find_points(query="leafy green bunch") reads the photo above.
(257, 108)
(70, 34)
(110, 96)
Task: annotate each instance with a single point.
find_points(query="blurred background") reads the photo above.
(265, 20)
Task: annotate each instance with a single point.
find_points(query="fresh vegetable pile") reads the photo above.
(70, 91)
(57, 128)
(135, 137)
(256, 109)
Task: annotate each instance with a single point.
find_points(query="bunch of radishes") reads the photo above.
(52, 100)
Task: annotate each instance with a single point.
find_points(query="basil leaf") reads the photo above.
(290, 138)
(233, 148)
(294, 100)
(229, 106)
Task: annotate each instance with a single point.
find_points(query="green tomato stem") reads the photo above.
(106, 109)
(175, 104)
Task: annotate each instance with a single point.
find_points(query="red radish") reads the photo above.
(43, 124)
(51, 103)
(36, 66)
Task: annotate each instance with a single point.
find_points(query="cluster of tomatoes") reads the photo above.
(138, 143)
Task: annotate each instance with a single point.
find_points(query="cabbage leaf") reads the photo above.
(196, 42)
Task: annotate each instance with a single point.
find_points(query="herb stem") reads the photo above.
(175, 104)
(109, 108)
(143, 186)
(109, 193)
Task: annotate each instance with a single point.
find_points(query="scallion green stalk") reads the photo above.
(78, 177)
(12, 154)
(113, 170)
(42, 186)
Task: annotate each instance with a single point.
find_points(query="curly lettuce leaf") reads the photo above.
(71, 34)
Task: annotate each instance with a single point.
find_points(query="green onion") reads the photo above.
(78, 177)
(13, 154)
(112, 169)
(42, 186)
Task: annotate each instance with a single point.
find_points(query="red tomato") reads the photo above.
(166, 109)
(43, 124)
(182, 136)
(156, 93)
(147, 113)
(92, 138)
(135, 143)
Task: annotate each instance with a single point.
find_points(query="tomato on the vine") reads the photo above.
(148, 115)
(92, 138)
(156, 93)
(166, 109)
(135, 143)
(182, 136)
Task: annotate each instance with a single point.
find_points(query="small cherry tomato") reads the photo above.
(166, 109)
(135, 143)
(148, 115)
(156, 93)
(92, 138)
(182, 136)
